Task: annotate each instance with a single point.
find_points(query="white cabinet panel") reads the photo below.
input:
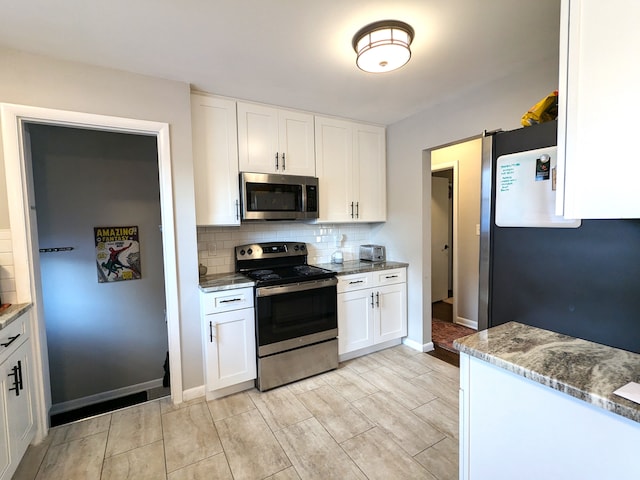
(215, 160)
(597, 113)
(391, 303)
(355, 320)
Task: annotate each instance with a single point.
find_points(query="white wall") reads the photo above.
(28, 79)
(467, 250)
(407, 234)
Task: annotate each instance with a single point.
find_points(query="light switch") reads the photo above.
(478, 229)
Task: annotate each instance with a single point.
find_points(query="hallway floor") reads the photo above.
(390, 414)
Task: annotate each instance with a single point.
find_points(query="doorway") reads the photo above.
(106, 331)
(25, 241)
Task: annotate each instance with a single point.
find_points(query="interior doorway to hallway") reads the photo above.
(106, 331)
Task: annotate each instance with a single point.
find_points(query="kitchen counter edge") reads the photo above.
(12, 312)
(356, 266)
(224, 281)
(585, 370)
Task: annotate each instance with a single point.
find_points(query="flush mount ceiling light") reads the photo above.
(383, 46)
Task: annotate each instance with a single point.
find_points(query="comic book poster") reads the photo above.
(117, 253)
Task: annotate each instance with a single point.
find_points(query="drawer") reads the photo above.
(226, 300)
(354, 281)
(388, 277)
(13, 335)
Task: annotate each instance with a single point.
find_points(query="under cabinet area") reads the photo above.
(17, 416)
(228, 333)
(372, 310)
(275, 140)
(597, 107)
(215, 160)
(351, 167)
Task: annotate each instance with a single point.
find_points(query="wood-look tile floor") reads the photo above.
(392, 414)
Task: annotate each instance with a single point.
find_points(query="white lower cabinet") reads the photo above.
(228, 331)
(372, 309)
(17, 420)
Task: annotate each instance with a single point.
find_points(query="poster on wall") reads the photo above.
(117, 253)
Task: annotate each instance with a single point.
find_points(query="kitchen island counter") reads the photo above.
(12, 312)
(224, 281)
(585, 370)
(357, 266)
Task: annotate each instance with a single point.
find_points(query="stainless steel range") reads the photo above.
(296, 312)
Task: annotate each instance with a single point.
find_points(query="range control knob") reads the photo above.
(250, 251)
(302, 247)
(296, 248)
(242, 252)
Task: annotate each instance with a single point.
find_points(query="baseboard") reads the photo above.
(467, 323)
(420, 347)
(193, 393)
(103, 396)
(223, 392)
(364, 351)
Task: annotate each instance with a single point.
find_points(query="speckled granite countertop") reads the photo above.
(224, 281)
(356, 266)
(585, 370)
(12, 312)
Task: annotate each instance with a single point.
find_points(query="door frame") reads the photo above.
(453, 165)
(25, 239)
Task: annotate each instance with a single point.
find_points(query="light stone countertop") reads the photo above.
(224, 281)
(12, 312)
(357, 266)
(585, 370)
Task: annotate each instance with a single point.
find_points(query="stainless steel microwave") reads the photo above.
(265, 196)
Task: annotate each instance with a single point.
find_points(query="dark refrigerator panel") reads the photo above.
(583, 282)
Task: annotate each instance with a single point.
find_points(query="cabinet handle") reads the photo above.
(276, 161)
(284, 166)
(213, 327)
(237, 209)
(371, 299)
(351, 209)
(356, 281)
(378, 299)
(231, 300)
(17, 378)
(11, 340)
(391, 276)
(357, 209)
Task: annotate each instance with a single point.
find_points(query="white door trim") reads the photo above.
(453, 165)
(24, 231)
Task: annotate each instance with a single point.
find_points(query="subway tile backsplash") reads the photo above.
(216, 244)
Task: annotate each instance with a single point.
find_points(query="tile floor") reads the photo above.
(392, 414)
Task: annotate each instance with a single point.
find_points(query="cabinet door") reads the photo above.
(296, 143)
(16, 373)
(370, 173)
(391, 311)
(230, 348)
(258, 138)
(355, 320)
(215, 160)
(5, 452)
(597, 113)
(334, 167)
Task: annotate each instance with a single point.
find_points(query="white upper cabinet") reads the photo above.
(273, 140)
(599, 101)
(215, 160)
(351, 167)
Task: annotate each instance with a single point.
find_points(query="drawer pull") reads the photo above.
(356, 281)
(231, 300)
(391, 276)
(11, 340)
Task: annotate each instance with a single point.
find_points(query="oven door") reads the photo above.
(294, 315)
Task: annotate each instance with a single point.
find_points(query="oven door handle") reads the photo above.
(295, 287)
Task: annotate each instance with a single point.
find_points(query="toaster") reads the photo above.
(372, 253)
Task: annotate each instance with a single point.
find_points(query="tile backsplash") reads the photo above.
(216, 244)
(7, 270)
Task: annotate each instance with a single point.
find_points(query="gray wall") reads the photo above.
(100, 336)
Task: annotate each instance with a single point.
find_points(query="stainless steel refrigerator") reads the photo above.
(581, 280)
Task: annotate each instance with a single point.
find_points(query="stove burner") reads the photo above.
(269, 276)
(259, 273)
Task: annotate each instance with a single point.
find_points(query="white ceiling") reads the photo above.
(294, 53)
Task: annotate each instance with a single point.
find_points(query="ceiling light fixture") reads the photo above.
(383, 46)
